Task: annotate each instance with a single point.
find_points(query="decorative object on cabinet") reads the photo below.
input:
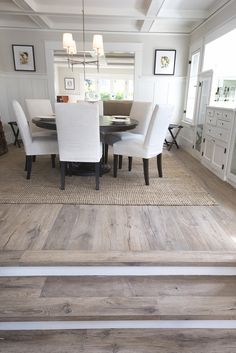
(62, 99)
(225, 91)
(164, 62)
(217, 132)
(23, 57)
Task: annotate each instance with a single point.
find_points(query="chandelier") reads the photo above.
(70, 46)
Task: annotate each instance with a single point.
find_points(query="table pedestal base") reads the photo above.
(88, 169)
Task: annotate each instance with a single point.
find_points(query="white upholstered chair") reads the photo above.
(38, 107)
(78, 136)
(34, 145)
(140, 111)
(149, 146)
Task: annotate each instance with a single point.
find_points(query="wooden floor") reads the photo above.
(124, 229)
(118, 235)
(99, 298)
(119, 341)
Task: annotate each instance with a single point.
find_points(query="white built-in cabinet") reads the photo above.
(231, 170)
(217, 140)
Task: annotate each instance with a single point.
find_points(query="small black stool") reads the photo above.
(174, 136)
(15, 130)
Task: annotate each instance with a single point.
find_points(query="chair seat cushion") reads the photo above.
(44, 145)
(135, 147)
(87, 157)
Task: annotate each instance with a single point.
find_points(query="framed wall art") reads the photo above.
(69, 83)
(23, 57)
(164, 62)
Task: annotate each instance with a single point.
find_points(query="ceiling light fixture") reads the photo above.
(70, 46)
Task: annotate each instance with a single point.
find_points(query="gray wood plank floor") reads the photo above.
(124, 228)
(119, 341)
(117, 298)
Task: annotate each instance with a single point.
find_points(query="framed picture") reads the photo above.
(164, 63)
(69, 83)
(23, 57)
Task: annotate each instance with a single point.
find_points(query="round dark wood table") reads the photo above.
(107, 125)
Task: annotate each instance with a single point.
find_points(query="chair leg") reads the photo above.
(120, 161)
(29, 166)
(106, 153)
(97, 174)
(115, 163)
(63, 170)
(103, 153)
(53, 157)
(159, 164)
(101, 167)
(34, 158)
(130, 159)
(146, 171)
(70, 169)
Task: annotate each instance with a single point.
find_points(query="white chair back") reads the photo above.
(158, 127)
(38, 107)
(142, 112)
(78, 132)
(23, 126)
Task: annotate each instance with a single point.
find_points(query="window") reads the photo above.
(115, 88)
(220, 56)
(192, 86)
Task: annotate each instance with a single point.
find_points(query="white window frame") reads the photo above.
(192, 52)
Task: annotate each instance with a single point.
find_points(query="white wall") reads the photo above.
(158, 89)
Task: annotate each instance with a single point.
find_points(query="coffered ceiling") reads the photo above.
(129, 16)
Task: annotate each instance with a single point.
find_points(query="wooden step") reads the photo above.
(117, 298)
(117, 258)
(120, 341)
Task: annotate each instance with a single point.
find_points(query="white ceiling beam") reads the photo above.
(28, 9)
(56, 14)
(153, 10)
(23, 4)
(42, 21)
(183, 14)
(91, 11)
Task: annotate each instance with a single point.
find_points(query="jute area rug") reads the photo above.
(177, 187)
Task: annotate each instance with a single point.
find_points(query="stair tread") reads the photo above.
(118, 298)
(120, 341)
(118, 258)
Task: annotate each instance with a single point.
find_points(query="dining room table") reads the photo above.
(107, 123)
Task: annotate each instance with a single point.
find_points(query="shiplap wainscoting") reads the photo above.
(19, 86)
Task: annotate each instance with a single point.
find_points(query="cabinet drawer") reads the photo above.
(211, 120)
(209, 130)
(224, 124)
(227, 116)
(218, 114)
(210, 112)
(221, 134)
